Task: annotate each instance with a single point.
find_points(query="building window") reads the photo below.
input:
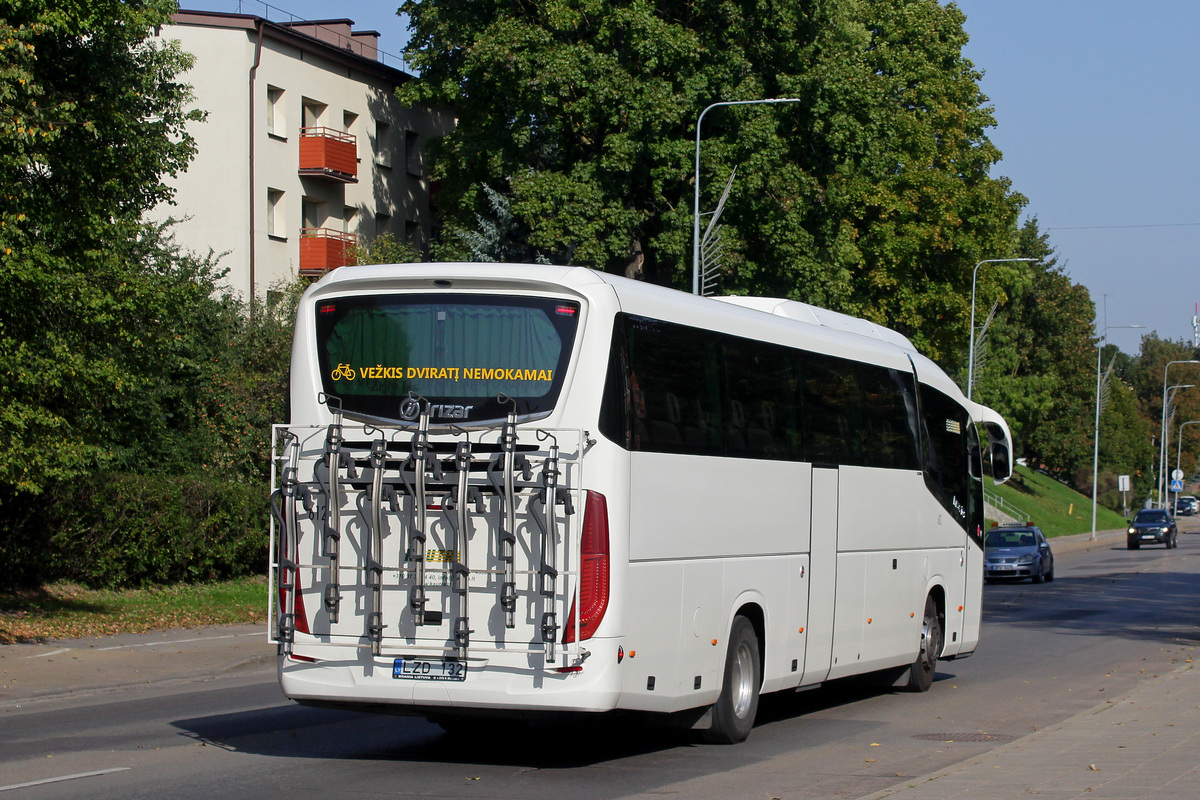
(349, 219)
(413, 160)
(314, 111)
(275, 217)
(412, 233)
(313, 218)
(276, 119)
(383, 224)
(349, 119)
(383, 144)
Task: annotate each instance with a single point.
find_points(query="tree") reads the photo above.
(383, 249)
(870, 196)
(1040, 366)
(1146, 374)
(96, 308)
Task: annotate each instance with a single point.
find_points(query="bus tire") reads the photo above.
(734, 712)
(920, 674)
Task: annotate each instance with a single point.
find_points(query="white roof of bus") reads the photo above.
(828, 325)
(803, 312)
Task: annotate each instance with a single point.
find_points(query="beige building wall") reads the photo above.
(243, 196)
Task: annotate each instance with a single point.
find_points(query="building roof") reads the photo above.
(333, 39)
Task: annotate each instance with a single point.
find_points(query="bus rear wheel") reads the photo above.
(733, 715)
(920, 674)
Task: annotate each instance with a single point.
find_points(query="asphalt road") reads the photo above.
(1112, 618)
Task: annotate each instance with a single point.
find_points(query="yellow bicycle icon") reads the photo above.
(343, 371)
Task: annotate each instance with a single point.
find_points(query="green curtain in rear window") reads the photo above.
(441, 351)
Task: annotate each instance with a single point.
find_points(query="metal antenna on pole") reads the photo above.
(711, 245)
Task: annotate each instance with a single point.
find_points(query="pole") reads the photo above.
(1179, 449)
(1162, 451)
(971, 343)
(696, 200)
(1096, 433)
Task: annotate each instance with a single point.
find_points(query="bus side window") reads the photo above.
(832, 404)
(676, 369)
(616, 406)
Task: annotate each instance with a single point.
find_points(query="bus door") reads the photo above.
(822, 581)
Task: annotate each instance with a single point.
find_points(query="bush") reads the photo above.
(119, 530)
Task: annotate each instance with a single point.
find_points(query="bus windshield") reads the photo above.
(460, 353)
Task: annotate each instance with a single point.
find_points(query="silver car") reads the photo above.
(1017, 551)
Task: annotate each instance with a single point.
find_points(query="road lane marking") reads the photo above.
(62, 778)
(51, 653)
(176, 641)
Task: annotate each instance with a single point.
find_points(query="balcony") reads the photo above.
(323, 249)
(329, 154)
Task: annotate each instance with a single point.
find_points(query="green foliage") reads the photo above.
(135, 396)
(1055, 507)
(93, 303)
(870, 196)
(1039, 370)
(383, 249)
(500, 237)
(128, 530)
(93, 119)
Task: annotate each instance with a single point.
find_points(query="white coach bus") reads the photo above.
(517, 490)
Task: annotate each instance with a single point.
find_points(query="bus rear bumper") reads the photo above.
(498, 682)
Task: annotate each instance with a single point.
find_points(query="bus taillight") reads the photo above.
(592, 596)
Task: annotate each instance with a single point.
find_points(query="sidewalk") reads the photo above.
(29, 672)
(1144, 746)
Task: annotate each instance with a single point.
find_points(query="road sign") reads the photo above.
(1176, 486)
(1123, 483)
(1177, 474)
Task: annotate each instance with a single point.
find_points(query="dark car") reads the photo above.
(1152, 526)
(1017, 551)
(1186, 505)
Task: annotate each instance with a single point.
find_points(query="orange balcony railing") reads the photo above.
(327, 153)
(323, 249)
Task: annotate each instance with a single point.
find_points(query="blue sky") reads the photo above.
(1098, 108)
(1097, 104)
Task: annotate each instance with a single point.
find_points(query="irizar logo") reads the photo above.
(450, 411)
(410, 409)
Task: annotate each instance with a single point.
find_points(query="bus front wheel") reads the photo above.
(920, 674)
(733, 715)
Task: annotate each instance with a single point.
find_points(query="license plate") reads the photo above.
(1003, 567)
(418, 669)
(1148, 536)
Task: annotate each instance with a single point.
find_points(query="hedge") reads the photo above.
(121, 530)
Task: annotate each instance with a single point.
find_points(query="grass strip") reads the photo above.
(70, 611)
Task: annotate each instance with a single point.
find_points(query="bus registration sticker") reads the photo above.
(419, 669)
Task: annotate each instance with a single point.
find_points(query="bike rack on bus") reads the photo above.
(360, 465)
(283, 510)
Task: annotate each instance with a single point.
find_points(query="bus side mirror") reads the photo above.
(999, 453)
(1001, 462)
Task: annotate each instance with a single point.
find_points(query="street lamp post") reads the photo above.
(1165, 490)
(1179, 448)
(1162, 451)
(696, 202)
(971, 344)
(1096, 435)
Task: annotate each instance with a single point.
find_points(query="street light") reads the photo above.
(1162, 445)
(971, 345)
(696, 203)
(1179, 448)
(1096, 436)
(1166, 447)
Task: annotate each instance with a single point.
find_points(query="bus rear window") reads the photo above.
(458, 352)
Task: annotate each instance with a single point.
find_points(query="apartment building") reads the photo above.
(306, 149)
